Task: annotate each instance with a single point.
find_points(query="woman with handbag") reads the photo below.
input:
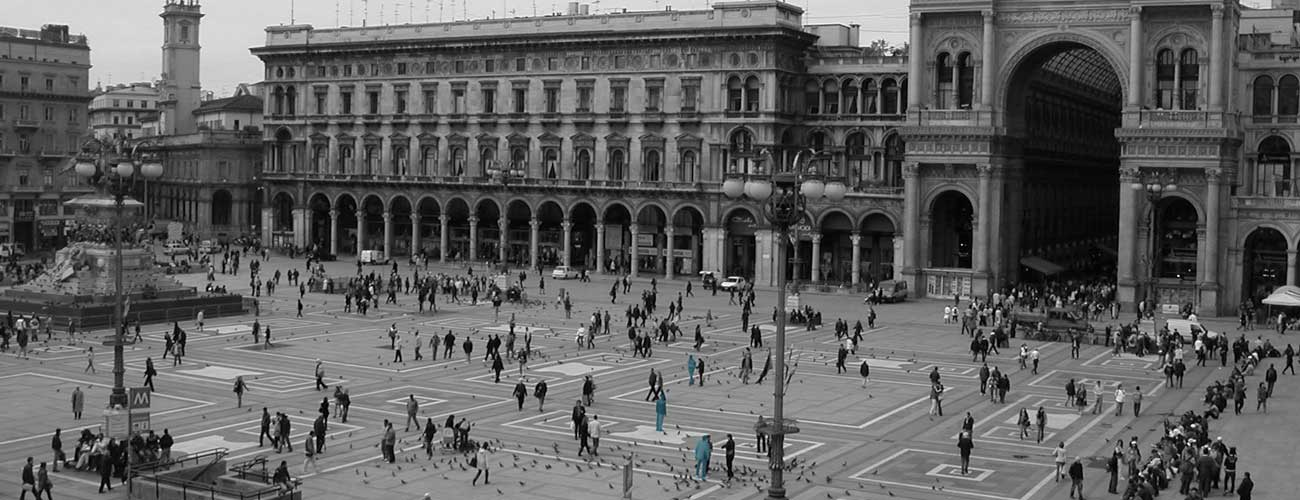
(480, 462)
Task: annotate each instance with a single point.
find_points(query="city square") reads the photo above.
(926, 249)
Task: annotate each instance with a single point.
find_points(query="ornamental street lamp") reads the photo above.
(782, 195)
(110, 166)
(1154, 185)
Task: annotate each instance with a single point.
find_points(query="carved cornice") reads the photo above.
(1059, 17)
(1129, 174)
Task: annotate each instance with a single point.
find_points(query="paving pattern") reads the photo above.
(855, 442)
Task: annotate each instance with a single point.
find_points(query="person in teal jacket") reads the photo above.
(703, 451)
(661, 409)
(690, 368)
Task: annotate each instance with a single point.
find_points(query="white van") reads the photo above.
(175, 248)
(1185, 328)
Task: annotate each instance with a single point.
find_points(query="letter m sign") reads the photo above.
(139, 398)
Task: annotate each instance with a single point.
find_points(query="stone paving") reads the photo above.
(873, 442)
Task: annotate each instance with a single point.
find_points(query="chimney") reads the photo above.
(573, 8)
(855, 34)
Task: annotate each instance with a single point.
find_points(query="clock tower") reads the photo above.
(180, 88)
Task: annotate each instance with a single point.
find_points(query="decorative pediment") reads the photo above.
(518, 140)
(549, 139)
(370, 137)
(319, 137)
(486, 140)
(688, 141)
(583, 141)
(616, 140)
(457, 140)
(651, 141)
(427, 138)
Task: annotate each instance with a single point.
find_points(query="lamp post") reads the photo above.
(1154, 185)
(110, 166)
(783, 195)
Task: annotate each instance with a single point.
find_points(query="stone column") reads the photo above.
(988, 66)
(983, 230)
(534, 227)
(632, 250)
(567, 227)
(600, 245)
(899, 245)
(1217, 58)
(915, 65)
(1135, 58)
(955, 95)
(503, 237)
(473, 238)
(361, 232)
(334, 232)
(444, 237)
(415, 234)
(856, 240)
(1128, 215)
(669, 232)
(1290, 266)
(388, 234)
(765, 250)
(268, 225)
(816, 270)
(1210, 264)
(911, 216)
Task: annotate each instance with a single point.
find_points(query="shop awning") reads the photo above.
(1041, 265)
(1286, 296)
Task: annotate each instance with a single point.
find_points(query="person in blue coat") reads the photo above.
(661, 409)
(690, 368)
(703, 451)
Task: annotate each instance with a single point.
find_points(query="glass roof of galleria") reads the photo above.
(1086, 66)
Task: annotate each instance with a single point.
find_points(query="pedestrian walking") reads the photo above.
(690, 368)
(703, 451)
(661, 409)
(310, 450)
(319, 372)
(1060, 457)
(480, 462)
(78, 402)
(90, 360)
(412, 407)
(240, 389)
(149, 373)
(1076, 477)
(521, 391)
(539, 392)
(964, 445)
(593, 433)
(56, 445)
(1137, 401)
(1041, 423)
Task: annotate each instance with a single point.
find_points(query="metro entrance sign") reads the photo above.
(139, 398)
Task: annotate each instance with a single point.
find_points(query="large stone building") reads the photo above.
(43, 99)
(1017, 139)
(614, 133)
(120, 111)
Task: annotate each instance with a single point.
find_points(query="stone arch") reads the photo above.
(1288, 234)
(223, 208)
(605, 209)
(683, 206)
(951, 239)
(1028, 47)
(1165, 38)
(826, 213)
(1264, 260)
(644, 206)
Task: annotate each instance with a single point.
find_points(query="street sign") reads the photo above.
(792, 301)
(139, 422)
(139, 398)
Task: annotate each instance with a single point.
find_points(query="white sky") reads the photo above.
(126, 35)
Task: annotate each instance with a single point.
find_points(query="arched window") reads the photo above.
(965, 81)
(1189, 69)
(277, 101)
(457, 161)
(1165, 79)
(401, 165)
(617, 165)
(319, 158)
(735, 94)
(751, 94)
(1273, 173)
(291, 101)
(740, 153)
(1262, 98)
(870, 98)
(519, 158)
(428, 160)
(372, 160)
(850, 106)
(889, 93)
(1288, 95)
(855, 150)
(818, 141)
(552, 163)
(653, 167)
(943, 82)
(582, 167)
(346, 164)
(690, 167)
(831, 97)
(812, 97)
(894, 151)
(487, 159)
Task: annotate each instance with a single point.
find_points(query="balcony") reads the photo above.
(517, 118)
(1177, 119)
(618, 117)
(26, 124)
(1272, 119)
(401, 119)
(1266, 203)
(688, 117)
(652, 117)
(584, 117)
(487, 118)
(319, 119)
(550, 118)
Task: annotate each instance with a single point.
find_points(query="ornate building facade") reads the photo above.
(600, 141)
(1015, 140)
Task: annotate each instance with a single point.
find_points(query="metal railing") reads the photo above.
(192, 489)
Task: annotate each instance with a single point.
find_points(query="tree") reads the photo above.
(878, 48)
(900, 50)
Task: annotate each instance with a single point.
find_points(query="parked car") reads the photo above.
(175, 248)
(564, 273)
(208, 246)
(1186, 327)
(732, 283)
(888, 292)
(373, 257)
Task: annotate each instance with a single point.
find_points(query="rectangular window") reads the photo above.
(460, 67)
(320, 102)
(73, 115)
(24, 112)
(23, 175)
(690, 95)
(489, 101)
(372, 98)
(620, 62)
(586, 62)
(458, 101)
(347, 102)
(130, 103)
(521, 100)
(49, 113)
(400, 98)
(49, 85)
(320, 72)
(430, 101)
(47, 177)
(49, 207)
(401, 68)
(347, 70)
(552, 97)
(584, 99)
(24, 83)
(654, 92)
(553, 64)
(618, 98)
(521, 64)
(490, 65)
